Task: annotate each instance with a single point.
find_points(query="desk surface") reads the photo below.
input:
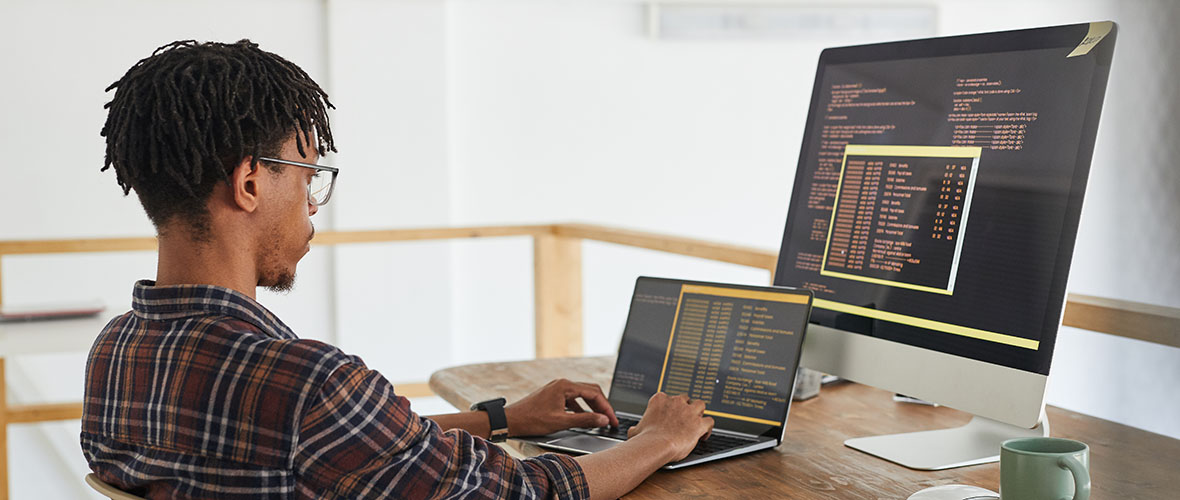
(813, 463)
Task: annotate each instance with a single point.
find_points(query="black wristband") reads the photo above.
(496, 418)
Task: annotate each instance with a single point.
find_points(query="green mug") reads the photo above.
(1044, 468)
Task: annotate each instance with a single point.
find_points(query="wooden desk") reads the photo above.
(813, 463)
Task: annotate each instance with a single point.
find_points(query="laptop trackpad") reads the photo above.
(588, 444)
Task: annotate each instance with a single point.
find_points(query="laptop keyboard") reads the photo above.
(616, 433)
(718, 442)
(715, 443)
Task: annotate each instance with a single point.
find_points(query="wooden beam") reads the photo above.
(16, 247)
(444, 233)
(557, 295)
(733, 254)
(1151, 323)
(26, 414)
(3, 433)
(413, 390)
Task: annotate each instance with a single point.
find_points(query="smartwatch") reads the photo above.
(498, 422)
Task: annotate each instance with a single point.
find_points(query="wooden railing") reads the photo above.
(557, 262)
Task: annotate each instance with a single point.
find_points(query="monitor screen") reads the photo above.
(939, 186)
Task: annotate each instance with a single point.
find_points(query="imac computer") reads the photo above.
(934, 214)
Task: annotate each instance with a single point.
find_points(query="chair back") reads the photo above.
(109, 491)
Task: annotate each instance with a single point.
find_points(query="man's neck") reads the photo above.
(184, 261)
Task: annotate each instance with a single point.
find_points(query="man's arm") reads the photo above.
(474, 422)
(668, 431)
(357, 439)
(670, 428)
(551, 408)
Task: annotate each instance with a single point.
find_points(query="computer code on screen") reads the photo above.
(736, 349)
(932, 198)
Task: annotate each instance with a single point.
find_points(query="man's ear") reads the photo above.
(245, 183)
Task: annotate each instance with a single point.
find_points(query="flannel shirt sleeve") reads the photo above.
(360, 440)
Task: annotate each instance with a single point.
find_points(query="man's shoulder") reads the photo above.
(234, 342)
(211, 386)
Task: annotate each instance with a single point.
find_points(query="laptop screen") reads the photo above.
(735, 347)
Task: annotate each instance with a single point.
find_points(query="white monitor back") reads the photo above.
(996, 392)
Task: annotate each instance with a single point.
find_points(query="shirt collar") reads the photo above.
(165, 303)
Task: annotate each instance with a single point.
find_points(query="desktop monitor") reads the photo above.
(934, 214)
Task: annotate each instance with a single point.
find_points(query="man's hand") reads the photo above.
(674, 419)
(554, 407)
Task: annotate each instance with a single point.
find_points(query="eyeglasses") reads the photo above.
(319, 190)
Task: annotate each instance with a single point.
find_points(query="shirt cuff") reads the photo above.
(566, 477)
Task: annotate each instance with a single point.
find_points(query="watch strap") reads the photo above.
(497, 420)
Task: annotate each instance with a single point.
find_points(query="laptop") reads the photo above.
(736, 347)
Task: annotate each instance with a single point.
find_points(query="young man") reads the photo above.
(200, 392)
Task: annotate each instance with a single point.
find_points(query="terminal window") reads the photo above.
(731, 348)
(900, 215)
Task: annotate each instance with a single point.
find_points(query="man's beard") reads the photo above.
(283, 283)
(278, 279)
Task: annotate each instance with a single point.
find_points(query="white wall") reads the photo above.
(457, 112)
(566, 111)
(389, 80)
(56, 58)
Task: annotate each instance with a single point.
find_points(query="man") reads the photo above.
(200, 391)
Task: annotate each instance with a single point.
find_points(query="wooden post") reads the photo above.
(3, 434)
(557, 278)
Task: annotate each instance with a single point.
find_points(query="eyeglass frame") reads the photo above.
(314, 166)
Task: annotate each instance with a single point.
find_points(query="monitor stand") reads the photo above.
(977, 442)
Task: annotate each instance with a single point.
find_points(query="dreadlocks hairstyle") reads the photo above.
(183, 118)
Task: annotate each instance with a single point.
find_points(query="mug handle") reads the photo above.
(1081, 477)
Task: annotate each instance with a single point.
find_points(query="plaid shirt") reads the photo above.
(200, 392)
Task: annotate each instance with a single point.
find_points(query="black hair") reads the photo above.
(183, 118)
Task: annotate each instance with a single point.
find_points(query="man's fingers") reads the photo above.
(709, 429)
(594, 398)
(585, 419)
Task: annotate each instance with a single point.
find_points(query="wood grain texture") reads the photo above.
(428, 233)
(1150, 323)
(557, 296)
(3, 433)
(813, 463)
(413, 390)
(17, 247)
(44, 412)
(723, 252)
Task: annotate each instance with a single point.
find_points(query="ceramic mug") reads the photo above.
(1044, 468)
